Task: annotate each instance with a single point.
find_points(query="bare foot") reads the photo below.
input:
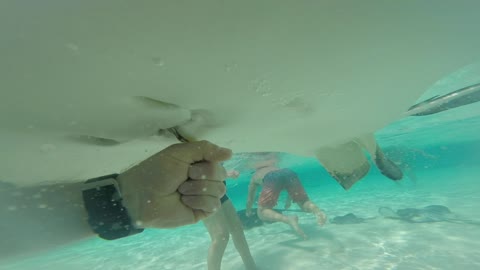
(293, 222)
(321, 218)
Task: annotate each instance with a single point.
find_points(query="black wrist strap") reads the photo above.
(106, 214)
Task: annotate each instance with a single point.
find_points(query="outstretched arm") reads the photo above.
(41, 217)
(178, 186)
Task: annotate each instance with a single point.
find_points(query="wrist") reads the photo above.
(130, 198)
(107, 215)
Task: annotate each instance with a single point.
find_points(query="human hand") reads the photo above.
(233, 174)
(180, 185)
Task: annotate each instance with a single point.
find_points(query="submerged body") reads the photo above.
(221, 225)
(273, 181)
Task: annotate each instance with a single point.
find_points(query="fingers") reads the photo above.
(207, 171)
(233, 174)
(202, 188)
(208, 204)
(202, 196)
(199, 151)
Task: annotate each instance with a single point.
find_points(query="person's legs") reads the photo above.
(267, 214)
(236, 230)
(298, 195)
(310, 207)
(218, 230)
(272, 186)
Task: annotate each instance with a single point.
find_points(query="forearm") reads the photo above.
(41, 217)
(249, 204)
(251, 196)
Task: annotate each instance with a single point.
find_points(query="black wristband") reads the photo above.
(106, 215)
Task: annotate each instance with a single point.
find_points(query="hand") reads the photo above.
(233, 174)
(180, 185)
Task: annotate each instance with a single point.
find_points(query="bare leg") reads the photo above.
(268, 214)
(217, 228)
(309, 206)
(238, 236)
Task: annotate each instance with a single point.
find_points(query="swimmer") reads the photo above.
(274, 180)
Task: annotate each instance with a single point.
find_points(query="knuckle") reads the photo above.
(204, 144)
(186, 187)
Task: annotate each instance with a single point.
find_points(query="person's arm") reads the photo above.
(178, 186)
(265, 163)
(252, 191)
(41, 217)
(288, 202)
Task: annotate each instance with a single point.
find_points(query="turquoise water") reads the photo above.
(441, 164)
(68, 67)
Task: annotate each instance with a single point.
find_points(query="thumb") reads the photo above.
(199, 151)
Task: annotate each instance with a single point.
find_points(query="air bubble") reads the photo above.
(157, 61)
(230, 67)
(72, 47)
(42, 206)
(47, 147)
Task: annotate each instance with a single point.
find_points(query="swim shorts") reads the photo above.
(276, 181)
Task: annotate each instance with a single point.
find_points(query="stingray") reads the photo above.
(249, 222)
(312, 78)
(427, 214)
(349, 218)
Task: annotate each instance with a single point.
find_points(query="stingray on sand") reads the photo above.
(349, 218)
(427, 214)
(254, 221)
